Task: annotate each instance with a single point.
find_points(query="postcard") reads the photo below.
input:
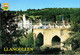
(40, 27)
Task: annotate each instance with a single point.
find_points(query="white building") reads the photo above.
(25, 24)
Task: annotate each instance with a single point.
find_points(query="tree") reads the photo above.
(8, 27)
(75, 41)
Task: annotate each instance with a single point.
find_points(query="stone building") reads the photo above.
(24, 23)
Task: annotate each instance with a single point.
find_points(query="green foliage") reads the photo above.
(76, 16)
(28, 42)
(74, 40)
(69, 53)
(53, 14)
(9, 35)
(75, 27)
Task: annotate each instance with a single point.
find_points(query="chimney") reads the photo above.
(63, 22)
(16, 13)
(56, 22)
(49, 25)
(67, 22)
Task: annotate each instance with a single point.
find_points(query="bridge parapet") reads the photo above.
(50, 27)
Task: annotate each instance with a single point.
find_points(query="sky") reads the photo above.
(40, 4)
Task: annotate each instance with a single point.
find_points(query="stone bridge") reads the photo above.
(49, 34)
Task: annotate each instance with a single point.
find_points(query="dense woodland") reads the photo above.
(47, 14)
(52, 14)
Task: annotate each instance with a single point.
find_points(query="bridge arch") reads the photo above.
(56, 40)
(39, 39)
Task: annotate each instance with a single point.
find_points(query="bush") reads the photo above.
(74, 40)
(28, 42)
